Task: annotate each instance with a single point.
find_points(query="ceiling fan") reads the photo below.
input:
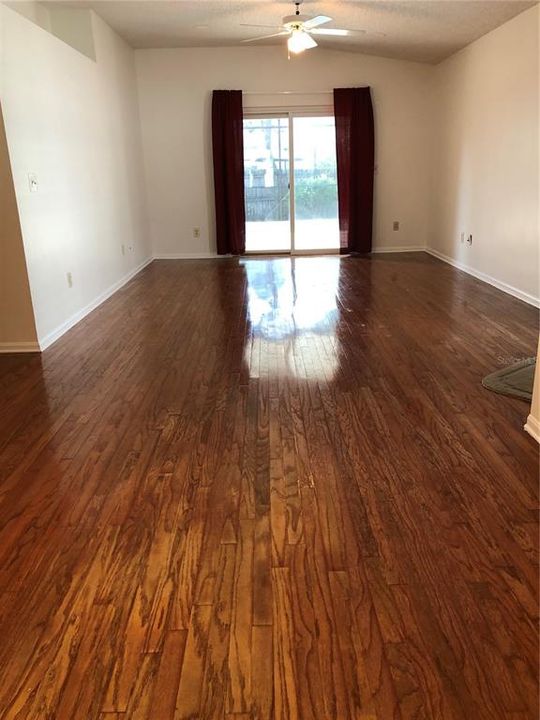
(300, 29)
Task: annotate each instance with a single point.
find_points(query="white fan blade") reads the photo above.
(314, 22)
(265, 37)
(329, 31)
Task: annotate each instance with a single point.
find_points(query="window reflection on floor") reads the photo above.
(292, 307)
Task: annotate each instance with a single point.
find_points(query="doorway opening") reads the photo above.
(290, 182)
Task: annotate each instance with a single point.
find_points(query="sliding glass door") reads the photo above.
(315, 184)
(267, 184)
(290, 183)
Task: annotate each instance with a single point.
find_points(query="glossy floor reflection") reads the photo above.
(289, 301)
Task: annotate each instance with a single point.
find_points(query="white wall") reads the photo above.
(175, 93)
(70, 24)
(74, 123)
(486, 168)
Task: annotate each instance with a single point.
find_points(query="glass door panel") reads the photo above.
(316, 224)
(266, 184)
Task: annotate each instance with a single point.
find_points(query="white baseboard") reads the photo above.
(532, 426)
(57, 333)
(398, 249)
(20, 347)
(188, 256)
(499, 284)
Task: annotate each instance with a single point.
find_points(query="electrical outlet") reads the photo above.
(69, 277)
(469, 239)
(123, 249)
(196, 232)
(396, 225)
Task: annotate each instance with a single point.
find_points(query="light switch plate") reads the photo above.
(33, 185)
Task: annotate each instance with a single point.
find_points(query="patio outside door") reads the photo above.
(290, 183)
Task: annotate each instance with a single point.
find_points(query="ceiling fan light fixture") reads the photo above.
(300, 41)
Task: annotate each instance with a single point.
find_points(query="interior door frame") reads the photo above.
(290, 114)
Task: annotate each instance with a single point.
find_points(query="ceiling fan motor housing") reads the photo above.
(295, 21)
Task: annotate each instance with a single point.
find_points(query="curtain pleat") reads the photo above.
(228, 154)
(355, 151)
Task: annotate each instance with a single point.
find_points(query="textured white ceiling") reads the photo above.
(422, 30)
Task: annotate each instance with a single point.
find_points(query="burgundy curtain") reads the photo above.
(355, 149)
(228, 150)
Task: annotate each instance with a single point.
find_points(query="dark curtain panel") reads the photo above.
(355, 149)
(228, 149)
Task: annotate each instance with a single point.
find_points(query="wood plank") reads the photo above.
(188, 699)
(240, 651)
(163, 703)
(262, 672)
(286, 680)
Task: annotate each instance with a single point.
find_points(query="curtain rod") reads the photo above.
(291, 92)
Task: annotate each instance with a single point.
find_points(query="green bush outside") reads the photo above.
(315, 197)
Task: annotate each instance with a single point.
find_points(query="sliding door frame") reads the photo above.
(290, 114)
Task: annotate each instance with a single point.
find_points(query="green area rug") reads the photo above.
(515, 380)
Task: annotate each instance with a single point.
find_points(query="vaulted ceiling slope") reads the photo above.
(421, 30)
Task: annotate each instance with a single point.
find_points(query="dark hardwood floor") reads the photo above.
(272, 489)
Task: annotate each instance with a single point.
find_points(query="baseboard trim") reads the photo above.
(188, 256)
(20, 347)
(532, 426)
(56, 334)
(400, 249)
(484, 277)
